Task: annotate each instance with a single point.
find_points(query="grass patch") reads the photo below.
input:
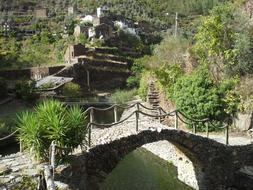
(72, 90)
(123, 96)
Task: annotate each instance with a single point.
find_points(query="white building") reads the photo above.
(120, 24)
(91, 32)
(123, 26)
(101, 11)
(87, 18)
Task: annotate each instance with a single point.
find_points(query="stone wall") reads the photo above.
(99, 79)
(29, 73)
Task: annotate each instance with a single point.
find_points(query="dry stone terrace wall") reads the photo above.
(99, 79)
(29, 73)
(215, 164)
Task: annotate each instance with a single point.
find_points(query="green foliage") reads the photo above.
(168, 75)
(245, 91)
(26, 90)
(9, 49)
(137, 68)
(167, 61)
(3, 88)
(130, 40)
(123, 96)
(61, 46)
(98, 42)
(170, 51)
(4, 130)
(52, 121)
(199, 97)
(152, 10)
(224, 41)
(143, 89)
(82, 39)
(47, 86)
(72, 90)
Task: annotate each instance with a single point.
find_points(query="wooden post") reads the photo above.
(207, 130)
(48, 178)
(176, 120)
(227, 135)
(52, 159)
(194, 128)
(115, 114)
(20, 145)
(176, 24)
(88, 79)
(89, 135)
(138, 106)
(90, 127)
(136, 120)
(160, 113)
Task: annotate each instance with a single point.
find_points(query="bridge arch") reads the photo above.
(210, 158)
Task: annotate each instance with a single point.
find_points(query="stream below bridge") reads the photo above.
(142, 170)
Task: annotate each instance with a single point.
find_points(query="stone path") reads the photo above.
(101, 136)
(13, 166)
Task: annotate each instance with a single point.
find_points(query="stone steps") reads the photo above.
(153, 98)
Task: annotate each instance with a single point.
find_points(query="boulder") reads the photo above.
(244, 122)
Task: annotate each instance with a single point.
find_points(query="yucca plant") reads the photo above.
(52, 121)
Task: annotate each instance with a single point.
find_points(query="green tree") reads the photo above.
(199, 97)
(224, 43)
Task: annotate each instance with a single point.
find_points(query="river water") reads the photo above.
(142, 170)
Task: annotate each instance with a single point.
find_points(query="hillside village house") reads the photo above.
(103, 31)
(72, 52)
(126, 28)
(102, 11)
(95, 26)
(41, 13)
(81, 29)
(71, 10)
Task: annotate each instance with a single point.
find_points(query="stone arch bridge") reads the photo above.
(215, 165)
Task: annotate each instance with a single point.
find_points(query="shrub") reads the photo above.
(3, 88)
(143, 89)
(72, 90)
(137, 68)
(224, 42)
(52, 121)
(199, 97)
(167, 75)
(26, 90)
(123, 96)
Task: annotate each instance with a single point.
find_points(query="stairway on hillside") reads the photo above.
(153, 98)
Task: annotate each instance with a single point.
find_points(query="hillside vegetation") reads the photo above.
(208, 75)
(48, 45)
(160, 13)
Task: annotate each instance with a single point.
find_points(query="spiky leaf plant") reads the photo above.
(52, 121)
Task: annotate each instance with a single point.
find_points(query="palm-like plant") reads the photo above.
(52, 121)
